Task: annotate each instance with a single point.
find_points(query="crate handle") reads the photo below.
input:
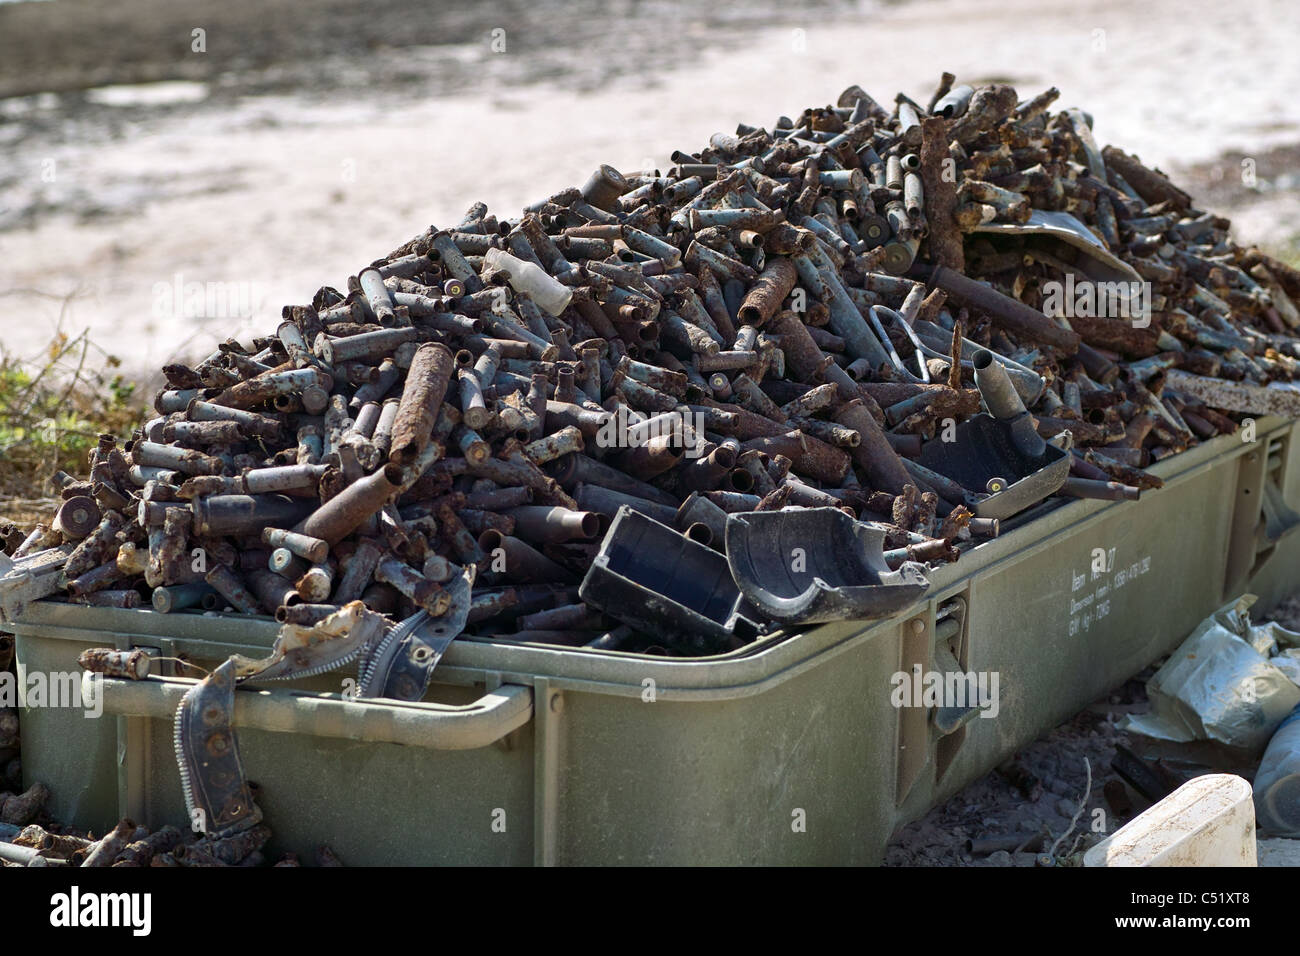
(1279, 520)
(370, 720)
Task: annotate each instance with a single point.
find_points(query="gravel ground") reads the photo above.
(1038, 793)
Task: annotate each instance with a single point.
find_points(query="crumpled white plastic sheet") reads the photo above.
(1230, 681)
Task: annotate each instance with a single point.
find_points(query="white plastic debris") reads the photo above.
(1208, 821)
(1221, 685)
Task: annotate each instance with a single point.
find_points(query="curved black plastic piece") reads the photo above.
(984, 448)
(656, 580)
(806, 565)
(1003, 445)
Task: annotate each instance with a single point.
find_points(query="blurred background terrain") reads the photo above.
(266, 147)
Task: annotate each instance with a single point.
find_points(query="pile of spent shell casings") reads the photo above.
(782, 319)
(130, 845)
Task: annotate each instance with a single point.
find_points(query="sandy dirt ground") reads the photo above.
(1060, 795)
(304, 142)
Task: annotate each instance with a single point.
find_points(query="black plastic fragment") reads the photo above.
(656, 580)
(999, 453)
(808, 565)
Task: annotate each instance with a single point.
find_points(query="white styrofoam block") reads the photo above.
(1208, 821)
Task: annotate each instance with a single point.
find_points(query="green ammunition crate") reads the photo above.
(786, 751)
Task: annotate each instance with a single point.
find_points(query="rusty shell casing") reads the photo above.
(462, 542)
(142, 851)
(913, 196)
(805, 357)
(245, 514)
(708, 471)
(295, 346)
(565, 441)
(96, 548)
(386, 377)
(572, 470)
(252, 423)
(563, 414)
(109, 498)
(96, 579)
(752, 463)
(287, 564)
(497, 499)
(260, 481)
(310, 549)
(1006, 312)
(420, 590)
(472, 446)
(841, 436)
(61, 844)
(523, 563)
(104, 852)
(228, 585)
(567, 617)
(200, 486)
(171, 598)
(603, 188)
(167, 551)
(114, 597)
(426, 386)
(663, 379)
(367, 418)
(305, 615)
(1151, 186)
(813, 400)
(697, 509)
(874, 455)
(474, 411)
(445, 253)
(476, 522)
(656, 456)
(548, 525)
(187, 461)
(607, 501)
(348, 510)
(730, 360)
(378, 298)
(315, 584)
(268, 386)
(133, 664)
(382, 439)
(641, 396)
(271, 591)
(764, 298)
(358, 571)
(732, 502)
(170, 401)
(202, 434)
(77, 517)
(1102, 490)
(364, 346)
